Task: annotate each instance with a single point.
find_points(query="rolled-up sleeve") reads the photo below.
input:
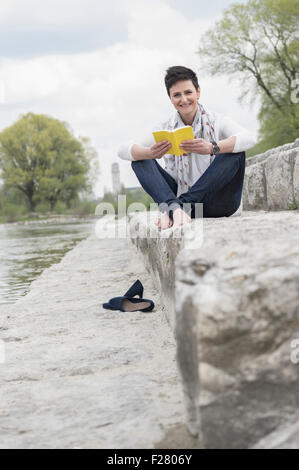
(124, 151)
(229, 128)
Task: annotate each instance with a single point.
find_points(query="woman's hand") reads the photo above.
(200, 146)
(148, 153)
(159, 149)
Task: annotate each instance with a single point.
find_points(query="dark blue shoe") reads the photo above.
(135, 289)
(128, 303)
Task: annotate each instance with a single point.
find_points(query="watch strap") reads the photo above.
(215, 149)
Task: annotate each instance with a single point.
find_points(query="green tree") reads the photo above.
(40, 157)
(257, 43)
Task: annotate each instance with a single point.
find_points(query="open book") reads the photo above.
(175, 137)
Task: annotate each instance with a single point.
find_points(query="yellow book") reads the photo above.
(175, 137)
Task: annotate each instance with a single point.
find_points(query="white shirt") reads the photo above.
(193, 164)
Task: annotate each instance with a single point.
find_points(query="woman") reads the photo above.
(210, 170)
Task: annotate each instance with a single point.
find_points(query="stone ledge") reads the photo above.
(232, 298)
(272, 179)
(78, 376)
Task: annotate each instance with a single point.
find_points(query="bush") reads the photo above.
(84, 207)
(60, 207)
(12, 212)
(132, 195)
(43, 207)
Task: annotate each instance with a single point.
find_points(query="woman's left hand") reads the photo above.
(200, 146)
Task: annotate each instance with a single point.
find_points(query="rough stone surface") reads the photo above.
(263, 156)
(285, 437)
(279, 179)
(235, 314)
(77, 375)
(159, 250)
(296, 180)
(255, 193)
(271, 179)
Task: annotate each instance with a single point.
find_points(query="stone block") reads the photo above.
(271, 179)
(279, 179)
(285, 437)
(233, 302)
(254, 190)
(296, 180)
(239, 297)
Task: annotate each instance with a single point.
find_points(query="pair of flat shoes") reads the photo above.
(129, 303)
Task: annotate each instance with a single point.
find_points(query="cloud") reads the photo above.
(199, 8)
(33, 28)
(116, 93)
(66, 14)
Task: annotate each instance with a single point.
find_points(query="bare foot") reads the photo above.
(164, 221)
(180, 217)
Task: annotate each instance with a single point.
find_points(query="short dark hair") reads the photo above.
(176, 73)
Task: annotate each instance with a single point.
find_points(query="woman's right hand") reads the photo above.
(159, 149)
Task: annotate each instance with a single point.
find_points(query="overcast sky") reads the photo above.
(100, 66)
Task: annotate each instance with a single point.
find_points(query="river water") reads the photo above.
(26, 250)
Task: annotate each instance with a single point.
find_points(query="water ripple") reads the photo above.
(26, 250)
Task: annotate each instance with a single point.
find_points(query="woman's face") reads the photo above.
(184, 97)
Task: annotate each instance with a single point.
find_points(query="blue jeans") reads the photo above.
(219, 188)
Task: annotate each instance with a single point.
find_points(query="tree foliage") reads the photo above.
(40, 157)
(257, 43)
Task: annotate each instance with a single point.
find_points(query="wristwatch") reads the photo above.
(215, 149)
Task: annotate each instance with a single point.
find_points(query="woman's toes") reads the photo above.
(180, 218)
(165, 222)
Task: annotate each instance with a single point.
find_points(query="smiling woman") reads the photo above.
(184, 98)
(207, 178)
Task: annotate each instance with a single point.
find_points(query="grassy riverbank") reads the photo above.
(10, 213)
(45, 217)
(14, 209)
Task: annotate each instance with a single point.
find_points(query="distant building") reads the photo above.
(116, 185)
